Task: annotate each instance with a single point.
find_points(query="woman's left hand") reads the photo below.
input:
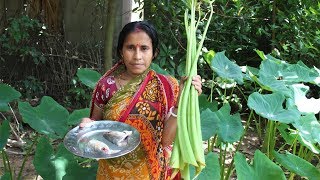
(196, 82)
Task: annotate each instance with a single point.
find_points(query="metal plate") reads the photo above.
(76, 140)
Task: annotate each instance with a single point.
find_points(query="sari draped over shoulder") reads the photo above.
(144, 104)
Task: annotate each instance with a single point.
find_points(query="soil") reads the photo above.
(16, 161)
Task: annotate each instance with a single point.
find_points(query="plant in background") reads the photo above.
(279, 98)
(78, 95)
(31, 87)
(166, 57)
(23, 38)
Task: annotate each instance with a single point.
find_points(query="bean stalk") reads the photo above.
(187, 149)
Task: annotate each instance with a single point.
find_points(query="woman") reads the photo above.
(132, 93)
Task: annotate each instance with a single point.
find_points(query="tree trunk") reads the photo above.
(3, 18)
(109, 30)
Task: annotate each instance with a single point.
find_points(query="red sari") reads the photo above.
(144, 104)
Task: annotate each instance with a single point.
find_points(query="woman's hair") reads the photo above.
(136, 26)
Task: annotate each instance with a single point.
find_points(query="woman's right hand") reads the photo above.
(84, 121)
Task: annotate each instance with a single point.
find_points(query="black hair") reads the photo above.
(145, 26)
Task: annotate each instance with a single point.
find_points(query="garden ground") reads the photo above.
(16, 156)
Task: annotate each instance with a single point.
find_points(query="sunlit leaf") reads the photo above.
(88, 77)
(309, 127)
(226, 68)
(304, 104)
(4, 133)
(274, 85)
(261, 54)
(209, 56)
(262, 168)
(297, 165)
(48, 164)
(7, 94)
(48, 118)
(270, 106)
(298, 73)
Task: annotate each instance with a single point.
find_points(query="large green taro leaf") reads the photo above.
(285, 130)
(308, 127)
(76, 116)
(272, 68)
(4, 133)
(6, 176)
(297, 165)
(274, 84)
(270, 106)
(212, 169)
(304, 104)
(204, 103)
(226, 68)
(7, 94)
(227, 126)
(317, 79)
(299, 73)
(262, 168)
(48, 118)
(60, 165)
(88, 77)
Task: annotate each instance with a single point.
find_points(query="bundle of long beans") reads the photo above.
(187, 147)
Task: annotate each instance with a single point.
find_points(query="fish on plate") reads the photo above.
(97, 146)
(119, 138)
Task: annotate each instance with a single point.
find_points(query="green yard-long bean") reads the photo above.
(187, 148)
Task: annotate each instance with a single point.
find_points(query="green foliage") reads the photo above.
(49, 118)
(88, 77)
(76, 115)
(51, 165)
(239, 27)
(228, 127)
(4, 133)
(262, 168)
(22, 38)
(270, 106)
(212, 169)
(225, 68)
(298, 165)
(7, 94)
(79, 95)
(31, 87)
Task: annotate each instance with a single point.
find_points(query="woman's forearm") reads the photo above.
(169, 131)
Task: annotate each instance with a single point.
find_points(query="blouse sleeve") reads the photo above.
(105, 88)
(175, 90)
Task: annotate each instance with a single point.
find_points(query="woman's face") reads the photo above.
(137, 52)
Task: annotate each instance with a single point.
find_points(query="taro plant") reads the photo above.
(280, 98)
(51, 122)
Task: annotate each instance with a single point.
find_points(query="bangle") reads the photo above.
(171, 112)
